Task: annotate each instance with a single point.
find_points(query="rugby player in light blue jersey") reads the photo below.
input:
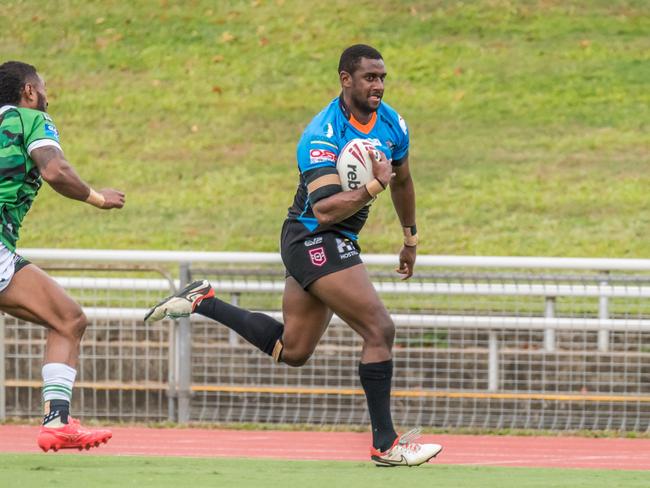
(320, 250)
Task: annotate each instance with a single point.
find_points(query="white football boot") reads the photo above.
(181, 304)
(405, 451)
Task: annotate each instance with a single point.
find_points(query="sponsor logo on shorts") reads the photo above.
(346, 248)
(317, 256)
(321, 156)
(313, 242)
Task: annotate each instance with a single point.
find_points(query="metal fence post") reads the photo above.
(184, 356)
(493, 360)
(3, 398)
(603, 313)
(233, 338)
(549, 334)
(172, 374)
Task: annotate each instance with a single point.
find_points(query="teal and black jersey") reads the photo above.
(21, 131)
(318, 150)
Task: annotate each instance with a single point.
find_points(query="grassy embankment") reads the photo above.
(529, 120)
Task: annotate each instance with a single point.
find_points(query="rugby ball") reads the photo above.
(354, 164)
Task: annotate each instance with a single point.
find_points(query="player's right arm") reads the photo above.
(317, 155)
(62, 177)
(343, 204)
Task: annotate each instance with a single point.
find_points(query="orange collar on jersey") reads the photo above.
(365, 128)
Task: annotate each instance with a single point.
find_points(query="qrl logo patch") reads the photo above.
(317, 256)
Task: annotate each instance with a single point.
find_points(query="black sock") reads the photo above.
(259, 329)
(58, 408)
(376, 379)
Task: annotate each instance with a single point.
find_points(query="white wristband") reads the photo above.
(95, 199)
(410, 235)
(375, 187)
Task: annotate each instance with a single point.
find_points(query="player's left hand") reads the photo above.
(407, 261)
(112, 198)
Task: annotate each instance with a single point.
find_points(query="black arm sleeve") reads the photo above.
(323, 191)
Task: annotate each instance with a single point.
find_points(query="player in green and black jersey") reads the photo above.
(30, 152)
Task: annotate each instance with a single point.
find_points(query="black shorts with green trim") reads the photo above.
(310, 256)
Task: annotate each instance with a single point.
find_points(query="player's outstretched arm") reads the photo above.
(344, 204)
(62, 177)
(402, 192)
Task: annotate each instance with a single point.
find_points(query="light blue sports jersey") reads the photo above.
(318, 150)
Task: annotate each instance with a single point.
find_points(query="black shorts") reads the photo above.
(20, 263)
(308, 256)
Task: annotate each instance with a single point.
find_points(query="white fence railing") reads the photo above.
(143, 256)
(565, 299)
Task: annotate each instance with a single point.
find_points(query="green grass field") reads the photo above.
(36, 471)
(529, 120)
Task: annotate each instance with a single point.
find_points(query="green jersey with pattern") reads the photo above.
(21, 131)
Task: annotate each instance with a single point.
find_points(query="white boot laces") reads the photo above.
(407, 441)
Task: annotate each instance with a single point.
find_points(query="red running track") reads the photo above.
(557, 452)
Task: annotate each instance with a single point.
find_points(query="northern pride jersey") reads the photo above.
(21, 131)
(318, 150)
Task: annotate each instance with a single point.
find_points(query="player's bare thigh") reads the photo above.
(33, 295)
(352, 296)
(305, 321)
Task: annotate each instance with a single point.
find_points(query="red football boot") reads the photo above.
(71, 436)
